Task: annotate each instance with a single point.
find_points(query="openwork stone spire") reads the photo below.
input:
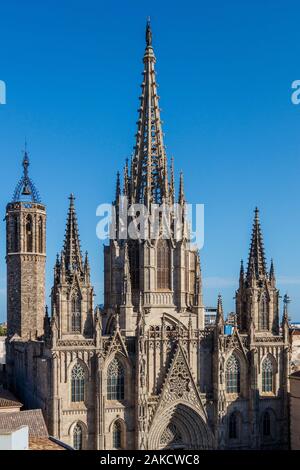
(25, 189)
(220, 317)
(149, 170)
(257, 262)
(71, 249)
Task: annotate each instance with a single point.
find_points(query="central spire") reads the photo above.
(149, 166)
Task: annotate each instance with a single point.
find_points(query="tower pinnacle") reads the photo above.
(256, 262)
(71, 249)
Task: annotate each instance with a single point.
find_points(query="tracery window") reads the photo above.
(15, 239)
(134, 263)
(77, 437)
(115, 380)
(76, 314)
(171, 437)
(263, 313)
(77, 383)
(117, 435)
(267, 375)
(163, 264)
(233, 375)
(29, 234)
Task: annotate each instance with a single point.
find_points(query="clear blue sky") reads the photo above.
(73, 74)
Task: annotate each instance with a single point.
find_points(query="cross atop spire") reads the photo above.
(71, 249)
(257, 262)
(149, 176)
(148, 33)
(25, 189)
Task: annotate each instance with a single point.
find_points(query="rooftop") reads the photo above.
(39, 438)
(32, 418)
(8, 400)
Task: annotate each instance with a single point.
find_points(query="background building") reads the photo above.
(210, 316)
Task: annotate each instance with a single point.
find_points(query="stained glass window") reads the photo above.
(117, 435)
(267, 375)
(115, 380)
(77, 380)
(77, 437)
(233, 375)
(76, 314)
(163, 265)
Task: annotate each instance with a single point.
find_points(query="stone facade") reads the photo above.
(144, 372)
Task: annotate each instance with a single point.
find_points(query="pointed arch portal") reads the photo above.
(180, 427)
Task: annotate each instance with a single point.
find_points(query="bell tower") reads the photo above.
(25, 259)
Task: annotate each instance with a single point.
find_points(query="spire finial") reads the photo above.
(219, 318)
(285, 317)
(286, 301)
(118, 187)
(220, 304)
(148, 33)
(181, 199)
(272, 270)
(72, 200)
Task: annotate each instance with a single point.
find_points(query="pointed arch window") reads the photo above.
(15, 235)
(115, 380)
(76, 314)
(29, 234)
(134, 263)
(77, 381)
(266, 424)
(233, 375)
(263, 313)
(267, 375)
(233, 430)
(40, 235)
(77, 437)
(117, 435)
(163, 264)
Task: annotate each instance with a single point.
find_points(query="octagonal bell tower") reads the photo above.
(25, 259)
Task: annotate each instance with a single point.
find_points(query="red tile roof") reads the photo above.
(32, 418)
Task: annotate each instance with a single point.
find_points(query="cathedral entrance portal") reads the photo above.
(180, 427)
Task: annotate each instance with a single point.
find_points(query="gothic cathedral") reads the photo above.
(142, 371)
